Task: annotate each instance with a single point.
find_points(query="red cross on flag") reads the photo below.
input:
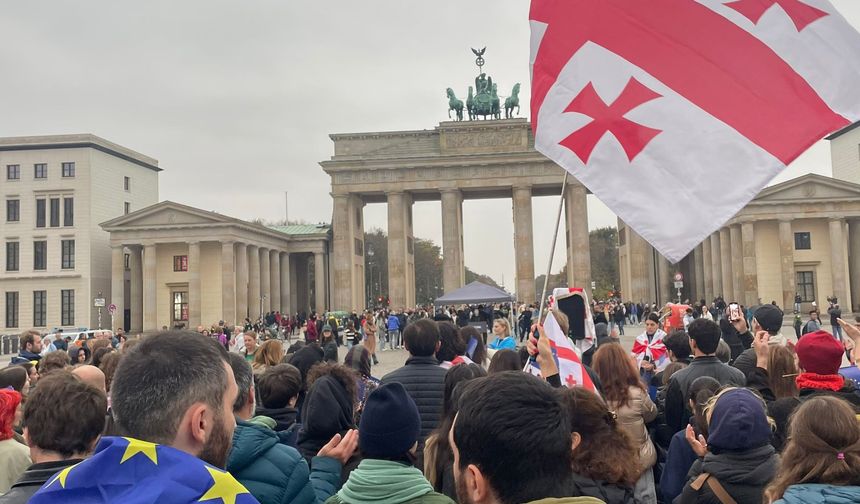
(676, 113)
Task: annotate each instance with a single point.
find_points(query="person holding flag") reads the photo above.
(556, 360)
(649, 350)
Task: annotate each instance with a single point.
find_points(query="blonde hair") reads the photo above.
(270, 353)
(507, 326)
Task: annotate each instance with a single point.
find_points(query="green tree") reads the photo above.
(604, 261)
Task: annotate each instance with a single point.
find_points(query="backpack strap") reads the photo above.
(715, 486)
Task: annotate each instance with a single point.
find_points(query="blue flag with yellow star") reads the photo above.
(137, 472)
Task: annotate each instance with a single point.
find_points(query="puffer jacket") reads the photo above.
(275, 473)
(744, 475)
(584, 486)
(632, 417)
(424, 381)
(820, 494)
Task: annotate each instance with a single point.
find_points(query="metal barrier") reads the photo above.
(9, 344)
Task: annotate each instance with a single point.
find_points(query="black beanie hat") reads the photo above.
(390, 423)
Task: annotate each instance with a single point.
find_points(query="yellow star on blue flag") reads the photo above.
(224, 487)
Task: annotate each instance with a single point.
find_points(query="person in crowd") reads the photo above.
(813, 324)
(311, 334)
(503, 339)
(688, 318)
(52, 361)
(79, 355)
(63, 419)
(394, 328)
(704, 339)
(475, 349)
(100, 354)
(605, 460)
(733, 339)
(15, 378)
(821, 462)
(724, 351)
(351, 335)
(422, 376)
(452, 346)
(680, 455)
(505, 360)
(678, 350)
(109, 365)
(388, 439)
(835, 313)
(524, 321)
(92, 376)
(328, 344)
(32, 375)
(438, 458)
(737, 459)
(15, 457)
(250, 349)
(766, 317)
(270, 353)
(358, 359)
(328, 411)
(29, 347)
(278, 390)
(304, 359)
(494, 462)
(626, 395)
(370, 339)
(272, 471)
(650, 348)
(172, 400)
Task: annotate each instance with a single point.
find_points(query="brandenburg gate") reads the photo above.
(455, 161)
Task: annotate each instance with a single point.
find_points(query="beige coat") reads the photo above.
(632, 418)
(14, 460)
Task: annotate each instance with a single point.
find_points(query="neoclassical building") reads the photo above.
(171, 263)
(800, 236)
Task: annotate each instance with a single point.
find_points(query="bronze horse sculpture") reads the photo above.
(455, 105)
(513, 101)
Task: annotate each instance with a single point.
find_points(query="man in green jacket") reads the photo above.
(388, 439)
(272, 471)
(511, 443)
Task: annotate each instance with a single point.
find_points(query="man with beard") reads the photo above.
(172, 400)
(514, 447)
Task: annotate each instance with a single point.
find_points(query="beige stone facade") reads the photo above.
(800, 236)
(453, 162)
(55, 191)
(175, 264)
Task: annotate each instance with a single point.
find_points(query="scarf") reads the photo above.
(655, 349)
(820, 382)
(383, 482)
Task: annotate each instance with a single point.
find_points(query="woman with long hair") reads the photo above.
(502, 332)
(475, 348)
(370, 335)
(821, 461)
(605, 462)
(358, 359)
(625, 394)
(270, 354)
(505, 360)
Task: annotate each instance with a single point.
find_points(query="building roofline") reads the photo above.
(78, 141)
(846, 129)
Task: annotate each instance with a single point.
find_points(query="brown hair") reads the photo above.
(605, 451)
(65, 415)
(671, 369)
(53, 361)
(130, 343)
(28, 336)
(270, 353)
(617, 374)
(504, 360)
(96, 344)
(823, 447)
(782, 371)
(278, 385)
(346, 376)
(108, 366)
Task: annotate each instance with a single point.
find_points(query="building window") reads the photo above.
(622, 237)
(127, 261)
(12, 262)
(806, 285)
(11, 309)
(40, 308)
(359, 247)
(13, 210)
(68, 212)
(68, 254)
(40, 213)
(802, 241)
(126, 183)
(41, 170)
(127, 208)
(67, 307)
(68, 169)
(55, 212)
(40, 255)
(180, 263)
(180, 306)
(13, 172)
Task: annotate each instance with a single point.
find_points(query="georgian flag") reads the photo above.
(654, 349)
(676, 113)
(570, 368)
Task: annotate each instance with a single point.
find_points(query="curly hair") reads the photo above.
(58, 359)
(346, 376)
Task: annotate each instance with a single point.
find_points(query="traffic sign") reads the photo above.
(679, 285)
(112, 308)
(679, 277)
(99, 302)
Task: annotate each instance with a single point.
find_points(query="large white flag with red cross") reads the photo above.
(676, 113)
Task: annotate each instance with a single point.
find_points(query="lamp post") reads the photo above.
(370, 292)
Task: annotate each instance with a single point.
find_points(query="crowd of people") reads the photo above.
(726, 409)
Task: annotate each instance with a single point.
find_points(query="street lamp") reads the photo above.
(370, 292)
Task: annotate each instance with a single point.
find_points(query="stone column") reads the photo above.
(319, 282)
(750, 265)
(253, 282)
(135, 263)
(837, 261)
(726, 263)
(194, 291)
(737, 263)
(665, 275)
(150, 282)
(578, 248)
(453, 265)
(786, 261)
(640, 258)
(284, 259)
(117, 284)
(397, 253)
(342, 251)
(228, 283)
(716, 264)
(274, 280)
(242, 287)
(707, 267)
(265, 279)
(294, 281)
(699, 268)
(524, 250)
(302, 288)
(854, 263)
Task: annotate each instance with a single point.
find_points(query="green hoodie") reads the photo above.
(386, 482)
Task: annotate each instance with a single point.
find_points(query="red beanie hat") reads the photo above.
(819, 353)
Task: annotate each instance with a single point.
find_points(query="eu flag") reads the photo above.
(137, 472)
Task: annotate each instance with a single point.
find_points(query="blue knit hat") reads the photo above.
(390, 423)
(738, 422)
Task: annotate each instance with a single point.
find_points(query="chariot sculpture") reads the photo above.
(483, 99)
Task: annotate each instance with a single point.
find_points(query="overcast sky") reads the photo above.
(236, 99)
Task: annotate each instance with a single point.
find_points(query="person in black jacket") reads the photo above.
(422, 376)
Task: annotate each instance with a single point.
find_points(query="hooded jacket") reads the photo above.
(387, 482)
(275, 473)
(820, 494)
(284, 418)
(606, 492)
(25, 356)
(743, 474)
